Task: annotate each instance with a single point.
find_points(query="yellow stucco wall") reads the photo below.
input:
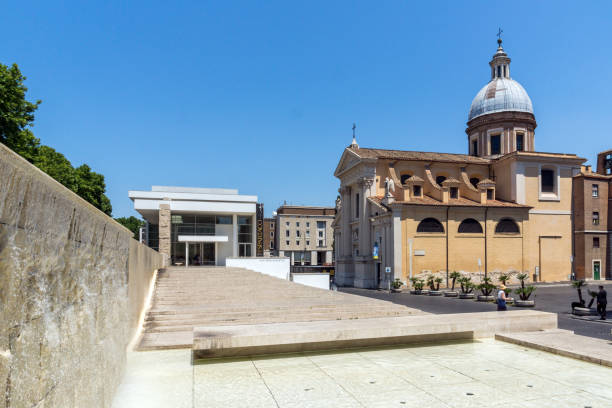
(551, 246)
(532, 196)
(505, 252)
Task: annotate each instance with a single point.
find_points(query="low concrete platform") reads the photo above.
(564, 343)
(242, 340)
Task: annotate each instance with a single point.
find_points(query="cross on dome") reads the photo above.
(354, 142)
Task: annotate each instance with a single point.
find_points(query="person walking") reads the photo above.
(602, 302)
(501, 298)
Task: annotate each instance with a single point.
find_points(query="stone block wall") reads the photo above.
(72, 285)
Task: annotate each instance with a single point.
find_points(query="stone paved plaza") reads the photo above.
(482, 373)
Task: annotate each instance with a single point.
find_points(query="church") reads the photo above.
(502, 207)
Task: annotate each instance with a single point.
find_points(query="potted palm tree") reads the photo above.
(486, 287)
(467, 288)
(417, 285)
(396, 285)
(581, 309)
(578, 308)
(434, 285)
(524, 292)
(454, 276)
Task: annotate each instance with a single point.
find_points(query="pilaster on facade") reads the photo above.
(365, 183)
(345, 222)
(364, 221)
(397, 242)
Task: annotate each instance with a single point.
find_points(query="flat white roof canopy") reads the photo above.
(191, 200)
(202, 238)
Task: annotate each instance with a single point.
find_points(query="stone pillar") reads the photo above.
(328, 257)
(345, 266)
(234, 235)
(253, 236)
(396, 271)
(345, 222)
(165, 222)
(365, 244)
(313, 257)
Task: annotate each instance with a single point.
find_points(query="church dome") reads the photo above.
(501, 94)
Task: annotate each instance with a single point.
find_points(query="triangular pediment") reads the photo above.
(348, 160)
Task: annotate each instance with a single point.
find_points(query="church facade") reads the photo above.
(502, 207)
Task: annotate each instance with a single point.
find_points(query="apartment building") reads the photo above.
(305, 234)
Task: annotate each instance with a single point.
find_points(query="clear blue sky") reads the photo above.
(261, 95)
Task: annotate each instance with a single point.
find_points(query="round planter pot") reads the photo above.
(483, 298)
(466, 296)
(415, 292)
(425, 292)
(524, 303)
(583, 311)
(451, 293)
(395, 290)
(510, 301)
(435, 293)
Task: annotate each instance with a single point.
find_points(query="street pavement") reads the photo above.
(555, 298)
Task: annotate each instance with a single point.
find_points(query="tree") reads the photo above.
(16, 113)
(132, 223)
(57, 166)
(91, 186)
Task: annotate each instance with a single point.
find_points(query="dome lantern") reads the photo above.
(500, 63)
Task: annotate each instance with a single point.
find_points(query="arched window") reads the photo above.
(474, 181)
(470, 226)
(440, 180)
(405, 178)
(507, 226)
(430, 225)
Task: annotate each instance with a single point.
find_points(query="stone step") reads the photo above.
(262, 318)
(279, 301)
(245, 309)
(155, 328)
(564, 343)
(198, 312)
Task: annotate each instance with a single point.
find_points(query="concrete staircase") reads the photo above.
(220, 296)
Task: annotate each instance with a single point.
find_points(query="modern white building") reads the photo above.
(198, 226)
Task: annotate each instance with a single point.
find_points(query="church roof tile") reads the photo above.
(369, 153)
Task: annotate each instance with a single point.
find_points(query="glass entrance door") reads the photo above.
(195, 253)
(201, 253)
(596, 270)
(208, 253)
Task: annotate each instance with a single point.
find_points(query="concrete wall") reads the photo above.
(142, 263)
(72, 285)
(225, 249)
(277, 267)
(316, 280)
